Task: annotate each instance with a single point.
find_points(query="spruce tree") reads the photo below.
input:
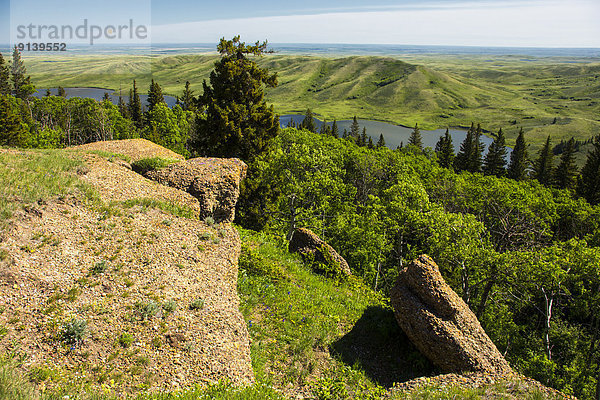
(495, 159)
(62, 92)
(355, 129)
(370, 144)
(364, 139)
(106, 97)
(238, 122)
(475, 161)
(517, 169)
(445, 150)
(415, 138)
(123, 107)
(345, 135)
(12, 131)
(4, 77)
(22, 86)
(48, 93)
(565, 176)
(589, 184)
(381, 141)
(335, 132)
(135, 106)
(542, 167)
(465, 154)
(187, 98)
(155, 96)
(308, 122)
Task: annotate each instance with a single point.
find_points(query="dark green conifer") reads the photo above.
(335, 132)
(565, 176)
(416, 138)
(155, 95)
(495, 159)
(187, 98)
(517, 169)
(4, 77)
(62, 92)
(12, 131)
(355, 129)
(309, 121)
(22, 87)
(465, 154)
(542, 167)
(364, 139)
(445, 150)
(135, 106)
(589, 184)
(381, 141)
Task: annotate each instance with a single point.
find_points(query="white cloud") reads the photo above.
(536, 24)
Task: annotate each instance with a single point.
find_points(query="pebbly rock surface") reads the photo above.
(215, 182)
(313, 249)
(440, 324)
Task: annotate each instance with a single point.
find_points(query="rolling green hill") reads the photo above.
(545, 97)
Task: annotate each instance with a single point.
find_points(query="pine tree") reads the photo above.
(381, 141)
(106, 97)
(345, 135)
(4, 77)
(370, 144)
(364, 139)
(308, 122)
(123, 107)
(415, 138)
(517, 169)
(565, 176)
(187, 98)
(475, 161)
(445, 150)
(495, 159)
(542, 167)
(135, 106)
(465, 154)
(12, 131)
(155, 96)
(589, 184)
(22, 86)
(334, 129)
(238, 122)
(325, 129)
(354, 129)
(62, 92)
(48, 93)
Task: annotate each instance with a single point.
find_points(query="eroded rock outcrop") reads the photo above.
(440, 324)
(215, 182)
(317, 251)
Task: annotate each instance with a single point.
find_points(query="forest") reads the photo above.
(517, 237)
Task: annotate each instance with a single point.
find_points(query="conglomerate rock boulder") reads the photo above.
(318, 252)
(215, 182)
(440, 324)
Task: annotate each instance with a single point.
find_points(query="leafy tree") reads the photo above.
(416, 138)
(565, 176)
(12, 129)
(335, 132)
(381, 141)
(4, 77)
(166, 129)
(445, 150)
(135, 106)
(589, 185)
(155, 96)
(517, 169)
(542, 167)
(238, 122)
(354, 129)
(495, 159)
(22, 87)
(187, 99)
(308, 122)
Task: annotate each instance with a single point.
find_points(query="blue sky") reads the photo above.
(536, 23)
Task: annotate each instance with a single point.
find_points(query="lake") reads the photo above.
(393, 134)
(98, 94)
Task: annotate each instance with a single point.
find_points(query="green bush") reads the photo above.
(125, 340)
(197, 304)
(73, 332)
(147, 310)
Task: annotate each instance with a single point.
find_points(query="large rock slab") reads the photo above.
(215, 182)
(317, 251)
(439, 322)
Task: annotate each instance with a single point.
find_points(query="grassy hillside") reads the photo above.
(436, 92)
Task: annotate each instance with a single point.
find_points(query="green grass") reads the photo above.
(152, 163)
(168, 207)
(434, 91)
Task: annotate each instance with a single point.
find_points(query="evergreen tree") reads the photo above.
(370, 144)
(565, 176)
(325, 129)
(364, 139)
(445, 150)
(475, 161)
(135, 106)
(355, 129)
(334, 129)
(22, 86)
(62, 92)
(465, 154)
(238, 122)
(542, 167)
(415, 138)
(187, 98)
(12, 131)
(495, 159)
(123, 107)
(106, 97)
(381, 141)
(155, 96)
(308, 122)
(589, 184)
(345, 135)
(517, 169)
(48, 93)
(4, 77)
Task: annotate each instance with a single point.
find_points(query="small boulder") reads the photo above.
(317, 252)
(215, 182)
(440, 324)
